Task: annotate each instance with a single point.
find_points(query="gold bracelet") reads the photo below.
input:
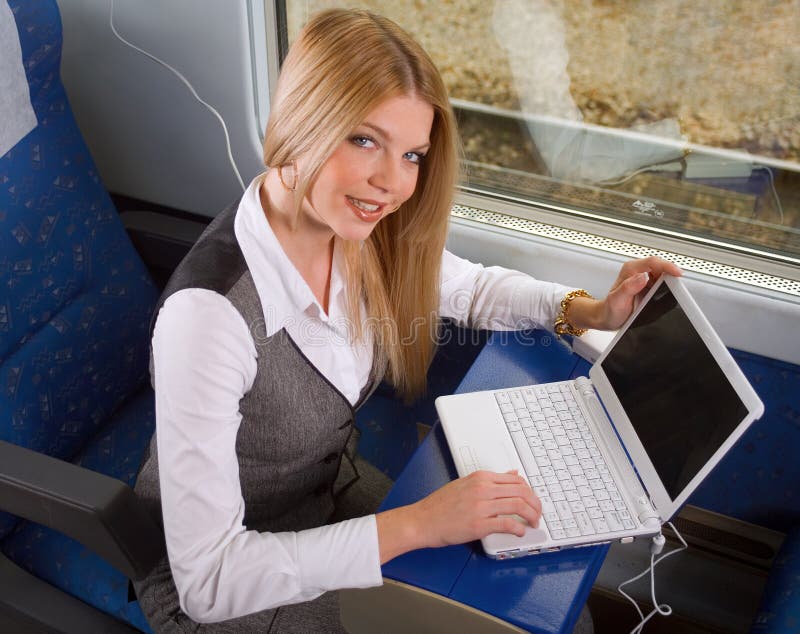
(562, 326)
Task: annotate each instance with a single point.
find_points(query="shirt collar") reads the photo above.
(282, 290)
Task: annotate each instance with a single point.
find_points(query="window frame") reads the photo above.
(668, 241)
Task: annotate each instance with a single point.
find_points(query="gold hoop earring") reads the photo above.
(294, 176)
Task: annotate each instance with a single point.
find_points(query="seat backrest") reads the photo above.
(757, 480)
(76, 300)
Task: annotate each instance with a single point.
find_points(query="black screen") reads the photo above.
(678, 399)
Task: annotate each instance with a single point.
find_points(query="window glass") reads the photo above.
(674, 116)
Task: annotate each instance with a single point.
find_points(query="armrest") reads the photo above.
(161, 240)
(22, 610)
(100, 512)
(780, 605)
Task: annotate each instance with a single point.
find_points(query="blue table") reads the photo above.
(542, 593)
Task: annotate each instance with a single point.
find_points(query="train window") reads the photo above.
(673, 118)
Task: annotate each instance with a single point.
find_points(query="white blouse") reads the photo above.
(205, 361)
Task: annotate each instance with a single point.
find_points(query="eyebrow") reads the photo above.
(386, 135)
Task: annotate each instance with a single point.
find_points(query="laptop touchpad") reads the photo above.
(507, 541)
(534, 535)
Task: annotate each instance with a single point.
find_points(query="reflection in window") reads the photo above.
(678, 116)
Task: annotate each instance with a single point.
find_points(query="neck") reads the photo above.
(308, 245)
(295, 231)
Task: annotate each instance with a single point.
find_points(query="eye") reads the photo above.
(362, 141)
(414, 157)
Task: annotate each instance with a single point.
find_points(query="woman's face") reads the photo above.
(374, 170)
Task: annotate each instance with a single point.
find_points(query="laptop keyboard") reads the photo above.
(562, 461)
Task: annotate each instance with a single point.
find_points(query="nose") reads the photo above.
(387, 175)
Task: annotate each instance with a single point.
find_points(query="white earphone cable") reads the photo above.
(663, 608)
(189, 86)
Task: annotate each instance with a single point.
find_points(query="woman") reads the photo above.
(327, 275)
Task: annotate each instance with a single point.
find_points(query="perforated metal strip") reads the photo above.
(724, 271)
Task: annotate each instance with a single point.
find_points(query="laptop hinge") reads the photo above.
(640, 501)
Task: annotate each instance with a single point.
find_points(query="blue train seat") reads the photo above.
(76, 409)
(757, 482)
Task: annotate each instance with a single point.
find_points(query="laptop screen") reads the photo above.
(678, 399)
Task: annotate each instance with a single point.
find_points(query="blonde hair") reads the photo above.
(342, 65)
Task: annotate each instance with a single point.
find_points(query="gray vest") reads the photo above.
(296, 427)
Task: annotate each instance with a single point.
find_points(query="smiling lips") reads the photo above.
(366, 211)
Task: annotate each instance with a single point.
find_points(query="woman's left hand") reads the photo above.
(635, 277)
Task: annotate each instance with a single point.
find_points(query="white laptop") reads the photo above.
(615, 455)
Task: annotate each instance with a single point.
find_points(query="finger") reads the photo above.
(520, 487)
(652, 264)
(667, 267)
(536, 504)
(495, 486)
(516, 506)
(504, 525)
(487, 485)
(506, 491)
(487, 491)
(656, 266)
(641, 265)
(633, 285)
(509, 477)
(631, 269)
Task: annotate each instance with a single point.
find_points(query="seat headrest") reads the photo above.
(16, 111)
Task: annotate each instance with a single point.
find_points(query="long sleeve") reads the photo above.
(205, 361)
(496, 298)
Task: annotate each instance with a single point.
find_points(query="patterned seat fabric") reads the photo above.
(757, 481)
(65, 563)
(75, 308)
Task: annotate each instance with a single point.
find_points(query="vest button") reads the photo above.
(320, 490)
(331, 457)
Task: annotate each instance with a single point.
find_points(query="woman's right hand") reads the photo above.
(463, 510)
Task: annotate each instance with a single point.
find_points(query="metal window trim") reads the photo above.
(707, 259)
(265, 46)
